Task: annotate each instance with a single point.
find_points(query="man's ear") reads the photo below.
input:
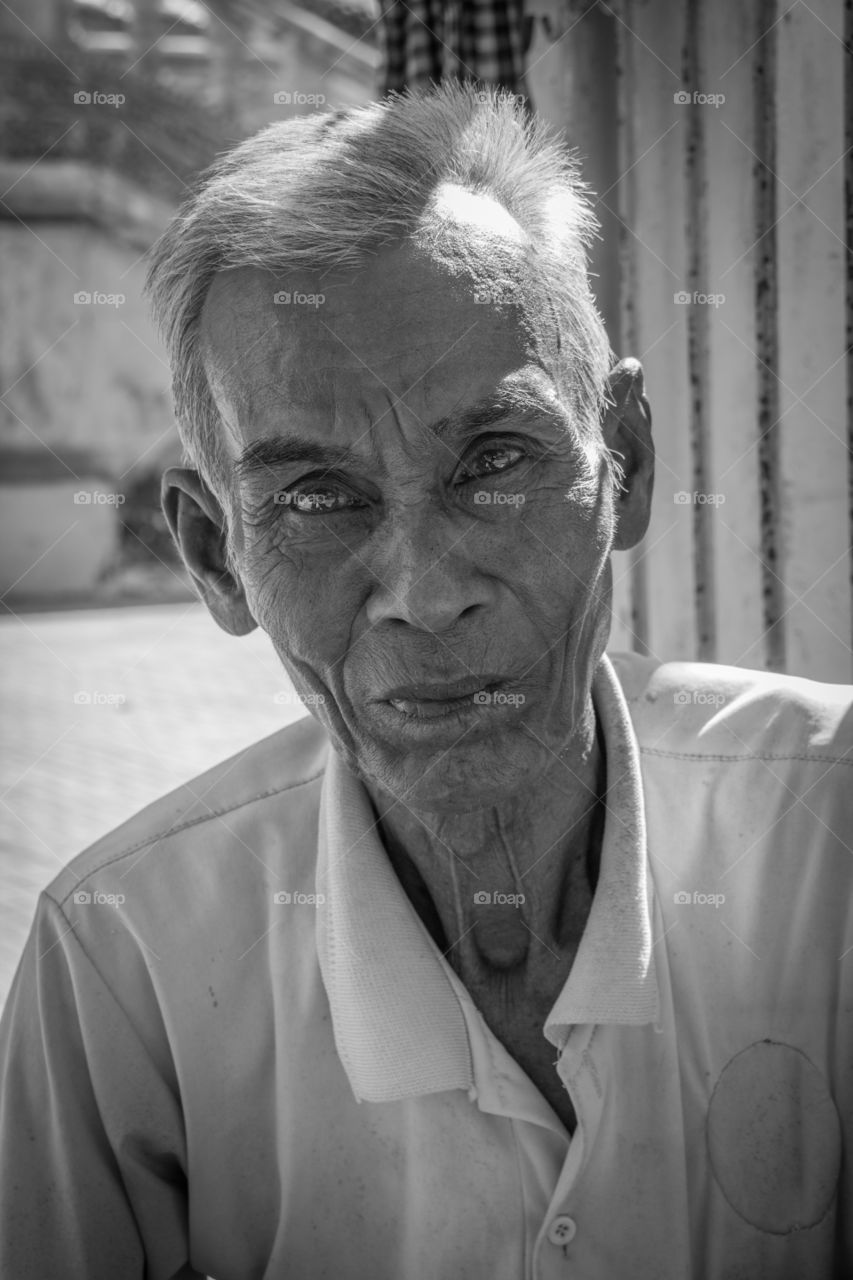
(628, 434)
(197, 524)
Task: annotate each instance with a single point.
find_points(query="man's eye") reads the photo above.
(493, 460)
(315, 501)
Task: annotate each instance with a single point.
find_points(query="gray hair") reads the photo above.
(328, 190)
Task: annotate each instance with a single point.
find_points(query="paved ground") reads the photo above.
(103, 711)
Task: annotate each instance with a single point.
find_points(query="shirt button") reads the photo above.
(562, 1229)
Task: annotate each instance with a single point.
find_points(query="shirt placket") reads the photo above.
(559, 1242)
(503, 1089)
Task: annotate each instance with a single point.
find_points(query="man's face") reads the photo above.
(476, 552)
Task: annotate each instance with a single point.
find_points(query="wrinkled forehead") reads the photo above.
(464, 288)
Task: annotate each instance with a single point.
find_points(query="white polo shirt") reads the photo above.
(200, 1079)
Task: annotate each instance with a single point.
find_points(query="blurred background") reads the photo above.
(717, 139)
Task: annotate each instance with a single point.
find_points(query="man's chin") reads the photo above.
(457, 772)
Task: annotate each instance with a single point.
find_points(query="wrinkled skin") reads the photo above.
(393, 573)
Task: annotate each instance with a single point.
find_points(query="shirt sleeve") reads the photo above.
(92, 1152)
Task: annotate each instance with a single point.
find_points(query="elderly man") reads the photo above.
(513, 959)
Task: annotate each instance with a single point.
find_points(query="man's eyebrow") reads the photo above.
(273, 452)
(508, 403)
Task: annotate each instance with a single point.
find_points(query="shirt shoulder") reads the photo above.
(717, 712)
(272, 774)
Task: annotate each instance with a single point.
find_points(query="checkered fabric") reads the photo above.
(427, 41)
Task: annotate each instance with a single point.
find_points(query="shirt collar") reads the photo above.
(613, 976)
(398, 1025)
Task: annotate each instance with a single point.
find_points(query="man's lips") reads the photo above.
(437, 700)
(442, 690)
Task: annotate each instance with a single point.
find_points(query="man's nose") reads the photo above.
(423, 569)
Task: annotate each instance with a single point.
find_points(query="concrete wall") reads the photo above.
(86, 401)
(87, 374)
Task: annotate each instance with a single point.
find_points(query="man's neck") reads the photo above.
(535, 854)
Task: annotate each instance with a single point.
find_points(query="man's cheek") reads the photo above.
(568, 498)
(319, 691)
(307, 621)
(270, 577)
(264, 594)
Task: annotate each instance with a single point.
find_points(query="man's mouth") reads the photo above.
(430, 700)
